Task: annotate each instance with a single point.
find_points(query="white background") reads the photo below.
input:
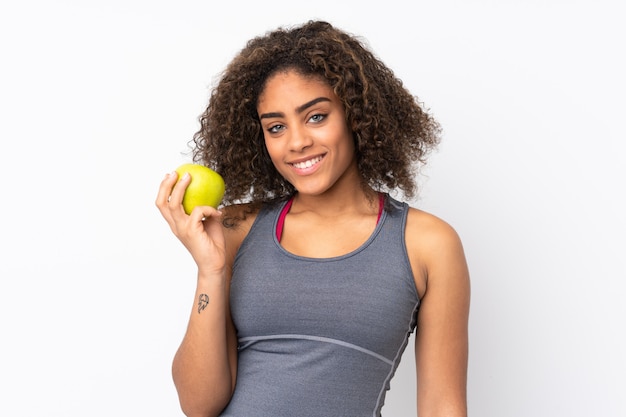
(99, 99)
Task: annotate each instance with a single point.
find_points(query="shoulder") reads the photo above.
(435, 249)
(238, 216)
(237, 219)
(430, 232)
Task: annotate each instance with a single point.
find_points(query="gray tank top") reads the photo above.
(320, 337)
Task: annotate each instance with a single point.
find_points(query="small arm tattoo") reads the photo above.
(203, 301)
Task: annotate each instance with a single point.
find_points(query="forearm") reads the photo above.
(202, 367)
(454, 405)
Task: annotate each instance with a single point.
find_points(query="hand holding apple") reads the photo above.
(205, 189)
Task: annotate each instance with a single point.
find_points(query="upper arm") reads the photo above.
(441, 343)
(234, 236)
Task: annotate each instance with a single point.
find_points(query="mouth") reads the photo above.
(308, 163)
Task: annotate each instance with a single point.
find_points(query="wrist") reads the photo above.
(211, 277)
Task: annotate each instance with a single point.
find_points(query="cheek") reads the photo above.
(347, 143)
(273, 152)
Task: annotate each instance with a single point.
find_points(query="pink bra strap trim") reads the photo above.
(283, 214)
(381, 206)
(281, 219)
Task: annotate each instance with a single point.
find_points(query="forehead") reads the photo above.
(289, 87)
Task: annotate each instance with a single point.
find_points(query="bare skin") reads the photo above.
(441, 344)
(204, 367)
(332, 214)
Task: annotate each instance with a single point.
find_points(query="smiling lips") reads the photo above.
(308, 163)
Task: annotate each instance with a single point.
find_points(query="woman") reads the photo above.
(312, 277)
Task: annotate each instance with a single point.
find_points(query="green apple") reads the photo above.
(205, 189)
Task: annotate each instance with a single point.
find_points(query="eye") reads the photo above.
(275, 128)
(317, 118)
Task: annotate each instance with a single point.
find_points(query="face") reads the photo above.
(306, 133)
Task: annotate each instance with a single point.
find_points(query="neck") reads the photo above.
(334, 202)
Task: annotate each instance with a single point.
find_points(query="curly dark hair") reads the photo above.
(393, 133)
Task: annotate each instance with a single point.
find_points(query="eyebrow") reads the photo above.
(299, 109)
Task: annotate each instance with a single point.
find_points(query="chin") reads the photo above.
(310, 189)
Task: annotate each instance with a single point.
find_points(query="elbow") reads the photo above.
(200, 411)
(204, 404)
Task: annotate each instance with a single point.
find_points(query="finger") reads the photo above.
(178, 192)
(205, 213)
(165, 189)
(209, 219)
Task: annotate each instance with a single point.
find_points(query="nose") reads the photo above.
(299, 139)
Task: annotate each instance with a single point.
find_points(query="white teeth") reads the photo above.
(307, 164)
